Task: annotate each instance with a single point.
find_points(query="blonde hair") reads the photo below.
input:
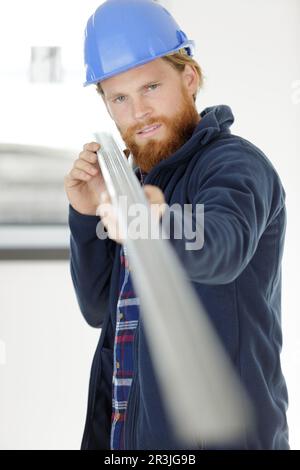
(178, 60)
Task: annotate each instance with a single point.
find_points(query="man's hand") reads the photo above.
(109, 216)
(85, 183)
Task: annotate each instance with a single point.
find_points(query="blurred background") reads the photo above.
(249, 51)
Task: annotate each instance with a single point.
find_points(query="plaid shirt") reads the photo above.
(127, 320)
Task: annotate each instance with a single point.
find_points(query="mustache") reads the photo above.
(134, 129)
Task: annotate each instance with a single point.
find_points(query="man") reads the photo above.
(142, 65)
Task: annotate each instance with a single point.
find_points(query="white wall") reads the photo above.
(47, 351)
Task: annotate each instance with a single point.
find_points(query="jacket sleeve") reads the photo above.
(242, 194)
(91, 261)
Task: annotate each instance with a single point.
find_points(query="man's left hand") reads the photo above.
(108, 214)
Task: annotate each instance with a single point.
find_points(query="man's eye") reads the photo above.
(119, 99)
(153, 86)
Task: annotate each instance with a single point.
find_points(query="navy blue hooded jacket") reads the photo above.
(237, 276)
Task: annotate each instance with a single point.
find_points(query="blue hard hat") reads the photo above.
(123, 34)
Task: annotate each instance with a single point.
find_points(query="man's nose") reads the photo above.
(141, 108)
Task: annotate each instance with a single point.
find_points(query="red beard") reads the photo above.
(179, 130)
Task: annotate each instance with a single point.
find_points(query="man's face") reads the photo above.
(153, 108)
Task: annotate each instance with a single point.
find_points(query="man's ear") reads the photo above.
(190, 79)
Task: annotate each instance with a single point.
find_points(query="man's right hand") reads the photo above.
(85, 182)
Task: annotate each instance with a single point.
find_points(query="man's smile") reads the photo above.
(149, 130)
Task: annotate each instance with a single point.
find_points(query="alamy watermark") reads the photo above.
(174, 222)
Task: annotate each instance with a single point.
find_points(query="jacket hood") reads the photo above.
(214, 120)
